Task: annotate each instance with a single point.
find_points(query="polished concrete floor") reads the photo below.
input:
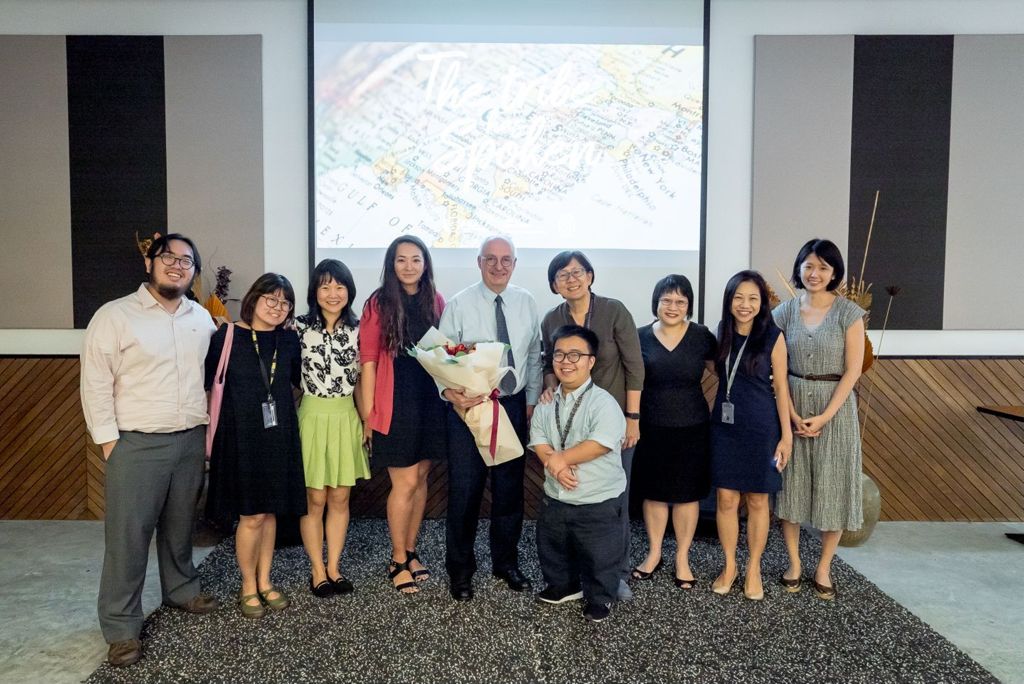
(966, 580)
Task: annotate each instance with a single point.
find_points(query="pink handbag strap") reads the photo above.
(217, 388)
(225, 355)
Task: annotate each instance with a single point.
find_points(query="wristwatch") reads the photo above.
(633, 415)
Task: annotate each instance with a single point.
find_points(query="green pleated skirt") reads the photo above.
(332, 442)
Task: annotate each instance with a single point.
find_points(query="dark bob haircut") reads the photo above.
(673, 283)
(159, 246)
(326, 271)
(588, 335)
(268, 283)
(562, 260)
(825, 250)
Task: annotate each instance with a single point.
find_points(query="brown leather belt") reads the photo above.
(832, 377)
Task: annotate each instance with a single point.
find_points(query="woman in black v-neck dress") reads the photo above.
(671, 466)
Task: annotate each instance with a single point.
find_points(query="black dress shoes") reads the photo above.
(462, 590)
(515, 580)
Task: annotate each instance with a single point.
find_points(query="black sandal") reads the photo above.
(684, 584)
(421, 575)
(394, 570)
(643, 575)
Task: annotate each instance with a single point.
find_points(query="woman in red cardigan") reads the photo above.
(402, 410)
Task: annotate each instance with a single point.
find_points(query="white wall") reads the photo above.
(282, 23)
(734, 23)
(733, 26)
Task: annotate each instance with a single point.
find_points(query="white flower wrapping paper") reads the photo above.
(477, 373)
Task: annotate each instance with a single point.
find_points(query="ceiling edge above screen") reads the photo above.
(627, 266)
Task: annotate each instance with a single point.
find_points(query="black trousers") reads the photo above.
(580, 546)
(467, 476)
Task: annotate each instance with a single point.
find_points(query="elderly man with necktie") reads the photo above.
(491, 310)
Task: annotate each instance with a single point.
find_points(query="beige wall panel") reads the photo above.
(803, 94)
(984, 237)
(35, 202)
(215, 152)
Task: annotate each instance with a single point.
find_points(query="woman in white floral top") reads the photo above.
(331, 431)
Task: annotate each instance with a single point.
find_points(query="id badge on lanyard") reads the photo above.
(728, 408)
(269, 406)
(269, 413)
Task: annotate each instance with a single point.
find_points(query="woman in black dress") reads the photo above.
(256, 462)
(751, 437)
(403, 414)
(671, 465)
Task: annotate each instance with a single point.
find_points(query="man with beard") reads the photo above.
(145, 406)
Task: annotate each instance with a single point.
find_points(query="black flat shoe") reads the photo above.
(462, 590)
(342, 584)
(823, 592)
(792, 586)
(515, 579)
(322, 590)
(641, 575)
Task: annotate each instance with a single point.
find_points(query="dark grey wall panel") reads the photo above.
(900, 145)
(118, 162)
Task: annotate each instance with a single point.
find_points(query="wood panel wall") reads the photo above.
(42, 440)
(933, 456)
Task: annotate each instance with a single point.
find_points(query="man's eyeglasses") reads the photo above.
(273, 302)
(492, 261)
(575, 274)
(571, 357)
(169, 259)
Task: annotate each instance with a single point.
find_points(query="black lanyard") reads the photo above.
(267, 381)
(586, 318)
(562, 436)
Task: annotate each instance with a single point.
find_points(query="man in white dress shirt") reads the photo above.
(145, 406)
(491, 310)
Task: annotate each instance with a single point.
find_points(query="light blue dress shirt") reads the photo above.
(599, 419)
(469, 317)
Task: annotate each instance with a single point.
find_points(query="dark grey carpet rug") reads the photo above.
(662, 635)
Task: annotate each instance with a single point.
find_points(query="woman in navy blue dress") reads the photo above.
(750, 442)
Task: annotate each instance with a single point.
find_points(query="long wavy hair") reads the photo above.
(388, 296)
(756, 351)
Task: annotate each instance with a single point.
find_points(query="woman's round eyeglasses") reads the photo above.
(273, 302)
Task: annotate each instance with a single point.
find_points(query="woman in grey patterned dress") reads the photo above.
(825, 339)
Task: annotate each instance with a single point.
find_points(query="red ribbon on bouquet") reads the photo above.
(494, 423)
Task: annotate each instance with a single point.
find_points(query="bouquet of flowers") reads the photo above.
(476, 370)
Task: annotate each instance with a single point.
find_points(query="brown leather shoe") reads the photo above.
(125, 652)
(199, 604)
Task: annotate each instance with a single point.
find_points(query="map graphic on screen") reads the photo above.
(588, 146)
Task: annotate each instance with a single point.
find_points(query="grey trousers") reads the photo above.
(152, 482)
